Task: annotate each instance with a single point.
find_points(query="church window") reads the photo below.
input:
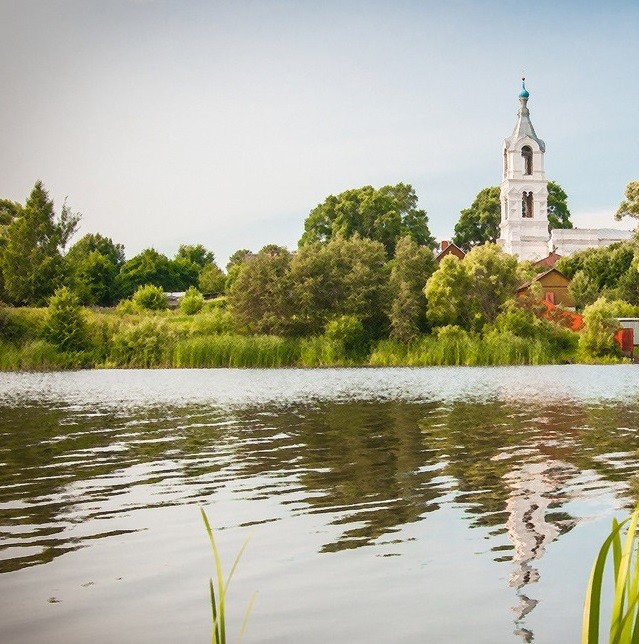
(505, 163)
(527, 154)
(527, 205)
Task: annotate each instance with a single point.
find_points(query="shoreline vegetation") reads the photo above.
(66, 336)
(363, 288)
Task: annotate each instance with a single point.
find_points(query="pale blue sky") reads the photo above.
(225, 123)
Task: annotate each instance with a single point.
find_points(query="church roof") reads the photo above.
(524, 127)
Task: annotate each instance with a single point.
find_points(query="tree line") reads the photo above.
(364, 271)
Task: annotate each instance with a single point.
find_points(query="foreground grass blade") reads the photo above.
(624, 617)
(218, 602)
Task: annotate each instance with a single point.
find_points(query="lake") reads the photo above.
(382, 505)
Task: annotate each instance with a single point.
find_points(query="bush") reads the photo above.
(347, 332)
(192, 302)
(213, 323)
(144, 344)
(65, 326)
(150, 297)
(597, 338)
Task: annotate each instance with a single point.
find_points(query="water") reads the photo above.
(398, 505)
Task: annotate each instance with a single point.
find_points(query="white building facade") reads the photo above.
(524, 200)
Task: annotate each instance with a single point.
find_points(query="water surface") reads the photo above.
(402, 505)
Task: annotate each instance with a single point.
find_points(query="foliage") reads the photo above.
(383, 215)
(630, 205)
(479, 223)
(192, 302)
(558, 213)
(347, 332)
(218, 603)
(341, 277)
(65, 325)
(150, 297)
(624, 615)
(583, 289)
(142, 344)
(470, 293)
(596, 340)
(260, 298)
(196, 254)
(212, 279)
(96, 243)
(93, 279)
(31, 259)
(411, 268)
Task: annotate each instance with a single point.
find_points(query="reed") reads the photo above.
(261, 351)
(624, 617)
(218, 601)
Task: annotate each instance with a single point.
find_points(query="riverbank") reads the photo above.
(170, 339)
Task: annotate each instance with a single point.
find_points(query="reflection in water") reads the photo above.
(370, 467)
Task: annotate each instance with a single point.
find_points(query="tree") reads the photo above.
(260, 298)
(558, 213)
(148, 267)
(212, 279)
(479, 224)
(630, 205)
(600, 324)
(150, 297)
(31, 260)
(470, 293)
(196, 254)
(342, 277)
(382, 215)
(9, 210)
(92, 264)
(410, 270)
(192, 302)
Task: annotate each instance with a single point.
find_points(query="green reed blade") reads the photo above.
(249, 610)
(621, 583)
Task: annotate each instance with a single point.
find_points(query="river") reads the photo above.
(381, 505)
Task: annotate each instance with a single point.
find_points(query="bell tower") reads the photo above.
(524, 190)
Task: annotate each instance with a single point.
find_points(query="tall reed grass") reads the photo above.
(624, 617)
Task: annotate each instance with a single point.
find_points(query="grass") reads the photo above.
(218, 601)
(624, 617)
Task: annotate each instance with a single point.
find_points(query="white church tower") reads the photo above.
(524, 190)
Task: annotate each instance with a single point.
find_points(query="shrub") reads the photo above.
(65, 326)
(150, 297)
(348, 332)
(213, 323)
(192, 302)
(144, 344)
(597, 338)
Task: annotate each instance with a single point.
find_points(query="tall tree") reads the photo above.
(479, 223)
(260, 298)
(8, 212)
(196, 253)
(32, 256)
(630, 205)
(383, 215)
(410, 270)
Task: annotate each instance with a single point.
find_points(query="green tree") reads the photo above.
(196, 254)
(65, 325)
(260, 298)
(31, 260)
(182, 274)
(470, 293)
(148, 267)
(558, 213)
(479, 223)
(630, 205)
(92, 265)
(410, 270)
(342, 277)
(212, 280)
(383, 215)
(584, 290)
(9, 210)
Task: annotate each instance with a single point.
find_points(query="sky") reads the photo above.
(168, 122)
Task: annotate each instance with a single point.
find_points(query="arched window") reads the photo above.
(505, 163)
(527, 205)
(527, 154)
